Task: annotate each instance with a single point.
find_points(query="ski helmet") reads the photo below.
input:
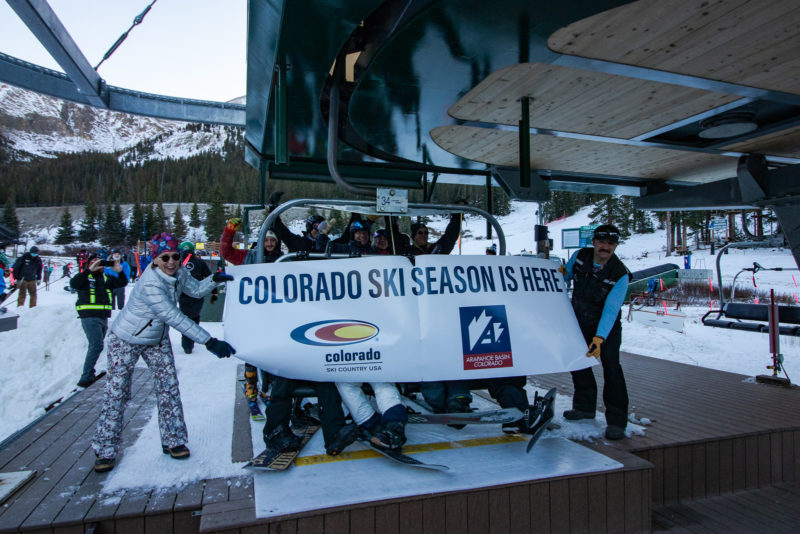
(357, 226)
(312, 221)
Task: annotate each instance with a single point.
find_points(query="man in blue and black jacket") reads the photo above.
(95, 289)
(600, 283)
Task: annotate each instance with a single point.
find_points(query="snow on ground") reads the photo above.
(44, 356)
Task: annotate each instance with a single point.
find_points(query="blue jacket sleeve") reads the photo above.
(2, 282)
(570, 265)
(612, 307)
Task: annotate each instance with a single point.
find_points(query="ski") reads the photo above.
(271, 460)
(255, 411)
(404, 459)
(545, 409)
(499, 416)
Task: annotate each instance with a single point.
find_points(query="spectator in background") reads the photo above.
(95, 289)
(492, 250)
(81, 259)
(118, 294)
(191, 306)
(2, 285)
(28, 272)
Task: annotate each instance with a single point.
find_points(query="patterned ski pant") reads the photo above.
(122, 358)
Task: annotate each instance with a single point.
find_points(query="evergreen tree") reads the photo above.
(66, 234)
(113, 231)
(99, 221)
(161, 218)
(105, 231)
(136, 228)
(611, 210)
(119, 231)
(643, 222)
(194, 216)
(88, 229)
(150, 226)
(178, 225)
(216, 216)
(10, 219)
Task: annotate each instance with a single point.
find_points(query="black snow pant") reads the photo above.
(615, 392)
(509, 392)
(191, 308)
(279, 409)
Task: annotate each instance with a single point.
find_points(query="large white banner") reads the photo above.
(382, 319)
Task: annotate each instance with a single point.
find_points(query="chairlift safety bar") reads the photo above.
(445, 208)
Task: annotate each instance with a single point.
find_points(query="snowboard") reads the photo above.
(545, 407)
(255, 411)
(499, 416)
(271, 460)
(398, 456)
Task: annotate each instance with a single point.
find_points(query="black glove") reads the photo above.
(275, 199)
(220, 348)
(213, 298)
(221, 277)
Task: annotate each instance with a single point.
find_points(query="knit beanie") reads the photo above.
(161, 243)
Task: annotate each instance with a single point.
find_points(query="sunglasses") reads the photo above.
(612, 237)
(166, 257)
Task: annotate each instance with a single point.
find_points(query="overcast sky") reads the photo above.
(187, 48)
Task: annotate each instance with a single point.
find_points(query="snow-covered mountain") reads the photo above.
(38, 125)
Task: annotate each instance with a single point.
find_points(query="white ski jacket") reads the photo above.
(152, 307)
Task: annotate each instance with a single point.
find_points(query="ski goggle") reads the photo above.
(357, 227)
(611, 237)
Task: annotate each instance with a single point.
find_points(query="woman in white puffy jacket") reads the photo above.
(141, 330)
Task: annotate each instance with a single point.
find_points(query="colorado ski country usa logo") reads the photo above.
(336, 332)
(484, 337)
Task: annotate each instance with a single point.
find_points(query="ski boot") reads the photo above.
(343, 439)
(389, 436)
(458, 405)
(282, 439)
(538, 414)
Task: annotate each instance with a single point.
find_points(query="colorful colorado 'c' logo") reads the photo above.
(337, 332)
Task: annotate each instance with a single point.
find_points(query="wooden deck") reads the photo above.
(721, 455)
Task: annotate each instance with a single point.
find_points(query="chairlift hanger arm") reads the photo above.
(739, 244)
(370, 204)
(40, 18)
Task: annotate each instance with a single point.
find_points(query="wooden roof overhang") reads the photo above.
(618, 91)
(631, 86)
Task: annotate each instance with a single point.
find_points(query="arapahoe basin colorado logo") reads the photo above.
(336, 332)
